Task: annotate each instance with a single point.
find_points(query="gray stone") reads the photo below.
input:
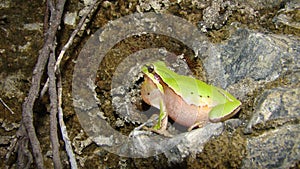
(288, 15)
(259, 4)
(276, 104)
(70, 18)
(279, 148)
(212, 17)
(247, 62)
(193, 142)
(253, 58)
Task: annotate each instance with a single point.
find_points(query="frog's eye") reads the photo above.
(150, 68)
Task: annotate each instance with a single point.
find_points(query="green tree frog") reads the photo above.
(188, 101)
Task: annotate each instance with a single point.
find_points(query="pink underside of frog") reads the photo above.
(183, 113)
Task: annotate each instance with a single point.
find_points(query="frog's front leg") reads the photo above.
(162, 123)
(162, 119)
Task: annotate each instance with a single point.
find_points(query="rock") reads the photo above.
(212, 17)
(156, 5)
(70, 18)
(33, 26)
(276, 104)
(250, 61)
(10, 86)
(289, 15)
(260, 4)
(279, 148)
(193, 142)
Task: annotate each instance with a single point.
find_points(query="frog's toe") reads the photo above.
(163, 132)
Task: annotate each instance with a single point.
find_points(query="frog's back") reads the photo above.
(192, 90)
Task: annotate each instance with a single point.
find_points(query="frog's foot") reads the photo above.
(197, 124)
(138, 130)
(160, 131)
(161, 126)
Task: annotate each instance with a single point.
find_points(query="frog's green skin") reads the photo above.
(186, 100)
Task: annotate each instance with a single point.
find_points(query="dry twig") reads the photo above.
(69, 43)
(27, 129)
(62, 125)
(53, 111)
(5, 105)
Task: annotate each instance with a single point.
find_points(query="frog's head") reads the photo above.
(154, 68)
(149, 71)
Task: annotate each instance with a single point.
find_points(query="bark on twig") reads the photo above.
(53, 111)
(62, 125)
(27, 108)
(24, 156)
(69, 43)
(5, 105)
(26, 132)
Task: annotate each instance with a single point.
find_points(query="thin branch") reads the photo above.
(53, 111)
(62, 125)
(69, 43)
(5, 105)
(46, 19)
(74, 33)
(24, 156)
(27, 108)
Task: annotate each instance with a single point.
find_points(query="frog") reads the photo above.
(185, 99)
